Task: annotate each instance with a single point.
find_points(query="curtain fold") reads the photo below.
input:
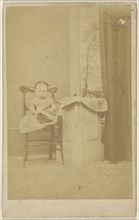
(115, 53)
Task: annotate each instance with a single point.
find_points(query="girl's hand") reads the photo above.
(39, 109)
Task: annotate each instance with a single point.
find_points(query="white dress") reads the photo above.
(47, 115)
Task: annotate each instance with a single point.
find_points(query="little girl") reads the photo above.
(42, 110)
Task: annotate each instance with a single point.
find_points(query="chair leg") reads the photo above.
(60, 137)
(25, 151)
(61, 151)
(51, 142)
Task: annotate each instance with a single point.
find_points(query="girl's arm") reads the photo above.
(32, 107)
(53, 107)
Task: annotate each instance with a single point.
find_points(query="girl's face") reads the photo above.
(41, 91)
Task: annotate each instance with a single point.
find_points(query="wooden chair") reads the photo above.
(52, 136)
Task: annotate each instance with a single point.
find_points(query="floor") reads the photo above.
(45, 179)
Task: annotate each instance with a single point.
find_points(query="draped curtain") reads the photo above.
(115, 53)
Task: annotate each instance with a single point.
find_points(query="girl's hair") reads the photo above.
(41, 82)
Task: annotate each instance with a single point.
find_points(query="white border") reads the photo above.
(1, 108)
(60, 203)
(137, 111)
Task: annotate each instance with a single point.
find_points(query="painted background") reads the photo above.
(47, 43)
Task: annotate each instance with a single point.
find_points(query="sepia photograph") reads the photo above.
(69, 104)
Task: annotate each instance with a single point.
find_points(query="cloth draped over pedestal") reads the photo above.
(94, 104)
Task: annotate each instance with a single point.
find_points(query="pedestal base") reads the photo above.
(77, 153)
(81, 136)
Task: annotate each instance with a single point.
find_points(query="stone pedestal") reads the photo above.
(81, 135)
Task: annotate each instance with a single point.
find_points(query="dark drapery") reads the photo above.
(115, 52)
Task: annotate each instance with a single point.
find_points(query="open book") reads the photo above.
(45, 116)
